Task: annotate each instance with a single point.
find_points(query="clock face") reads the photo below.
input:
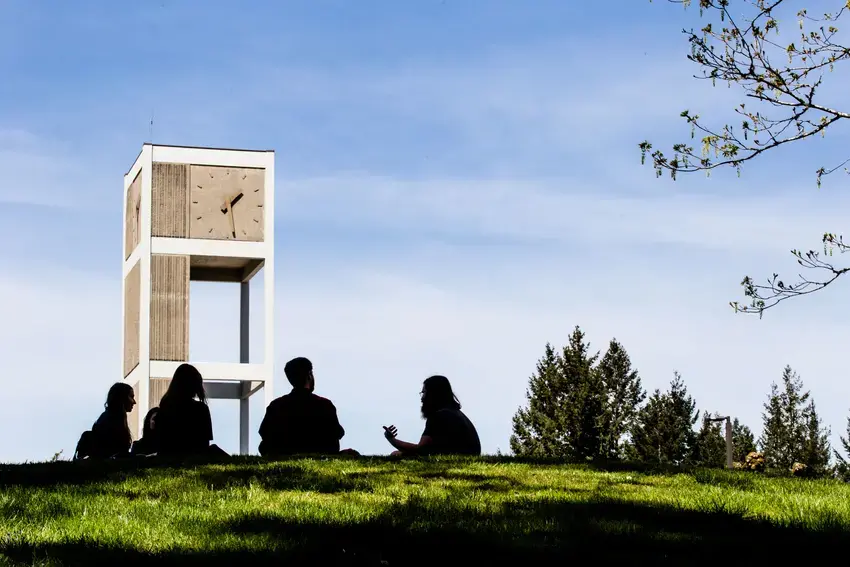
(227, 203)
(132, 218)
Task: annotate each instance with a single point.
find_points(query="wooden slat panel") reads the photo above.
(158, 388)
(169, 307)
(170, 200)
(133, 418)
(132, 230)
(132, 308)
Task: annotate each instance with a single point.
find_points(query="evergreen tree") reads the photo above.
(773, 440)
(536, 429)
(843, 466)
(583, 398)
(710, 445)
(786, 423)
(565, 402)
(663, 431)
(623, 394)
(743, 442)
(816, 450)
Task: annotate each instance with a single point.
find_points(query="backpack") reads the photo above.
(84, 446)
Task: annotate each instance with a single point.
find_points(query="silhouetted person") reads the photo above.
(300, 422)
(110, 434)
(447, 429)
(148, 444)
(183, 422)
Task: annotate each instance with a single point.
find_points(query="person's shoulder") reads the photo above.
(323, 401)
(280, 401)
(447, 413)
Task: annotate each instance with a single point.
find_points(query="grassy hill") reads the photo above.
(375, 511)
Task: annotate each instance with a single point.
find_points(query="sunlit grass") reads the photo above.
(367, 511)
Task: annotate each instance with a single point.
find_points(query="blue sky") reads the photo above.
(457, 184)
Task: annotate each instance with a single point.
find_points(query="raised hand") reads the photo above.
(390, 432)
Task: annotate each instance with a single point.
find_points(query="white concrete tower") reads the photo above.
(198, 214)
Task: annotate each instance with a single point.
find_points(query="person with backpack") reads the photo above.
(110, 435)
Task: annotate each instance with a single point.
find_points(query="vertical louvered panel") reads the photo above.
(169, 307)
(132, 230)
(132, 308)
(170, 200)
(158, 388)
(133, 418)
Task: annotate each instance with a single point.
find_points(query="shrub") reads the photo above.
(799, 469)
(754, 461)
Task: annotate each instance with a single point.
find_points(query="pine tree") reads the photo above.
(566, 402)
(843, 466)
(710, 445)
(773, 440)
(663, 431)
(784, 438)
(816, 451)
(583, 398)
(743, 442)
(536, 429)
(623, 394)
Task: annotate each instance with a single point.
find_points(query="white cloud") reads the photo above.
(590, 210)
(41, 171)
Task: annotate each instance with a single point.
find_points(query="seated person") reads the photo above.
(183, 422)
(300, 422)
(447, 430)
(147, 445)
(110, 434)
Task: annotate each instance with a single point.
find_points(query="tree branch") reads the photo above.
(745, 54)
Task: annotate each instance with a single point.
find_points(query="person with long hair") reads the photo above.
(111, 433)
(447, 429)
(183, 422)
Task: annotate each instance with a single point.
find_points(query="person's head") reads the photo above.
(186, 384)
(437, 394)
(150, 422)
(299, 372)
(120, 398)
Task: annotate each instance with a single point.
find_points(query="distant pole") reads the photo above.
(729, 447)
(244, 358)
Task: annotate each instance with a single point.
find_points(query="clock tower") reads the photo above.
(194, 214)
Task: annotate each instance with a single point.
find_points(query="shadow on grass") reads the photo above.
(301, 474)
(91, 472)
(427, 531)
(281, 476)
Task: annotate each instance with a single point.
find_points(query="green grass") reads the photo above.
(387, 512)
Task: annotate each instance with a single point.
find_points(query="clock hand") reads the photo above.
(227, 209)
(232, 222)
(230, 203)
